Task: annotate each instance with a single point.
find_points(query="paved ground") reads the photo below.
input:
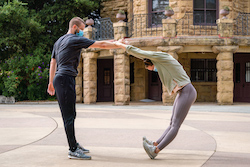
(32, 134)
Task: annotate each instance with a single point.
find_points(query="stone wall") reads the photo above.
(111, 8)
(79, 83)
(248, 7)
(140, 6)
(180, 7)
(206, 91)
(138, 89)
(235, 6)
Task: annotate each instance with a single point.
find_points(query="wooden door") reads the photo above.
(154, 86)
(242, 78)
(105, 80)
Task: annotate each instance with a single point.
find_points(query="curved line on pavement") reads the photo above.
(196, 129)
(35, 140)
(211, 137)
(214, 150)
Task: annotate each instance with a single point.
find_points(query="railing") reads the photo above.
(145, 25)
(150, 25)
(103, 29)
(194, 24)
(242, 24)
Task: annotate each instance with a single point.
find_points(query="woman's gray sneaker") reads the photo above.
(78, 154)
(83, 149)
(148, 141)
(150, 150)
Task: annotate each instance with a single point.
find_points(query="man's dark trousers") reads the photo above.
(66, 95)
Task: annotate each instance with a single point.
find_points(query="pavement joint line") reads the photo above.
(208, 155)
(216, 145)
(21, 146)
(189, 126)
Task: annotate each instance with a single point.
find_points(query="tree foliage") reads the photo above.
(56, 17)
(28, 30)
(18, 30)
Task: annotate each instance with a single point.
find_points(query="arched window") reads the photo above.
(205, 12)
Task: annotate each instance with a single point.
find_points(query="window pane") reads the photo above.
(198, 3)
(211, 64)
(211, 76)
(193, 73)
(197, 64)
(248, 72)
(211, 17)
(203, 70)
(200, 76)
(199, 17)
(156, 19)
(159, 5)
(106, 76)
(197, 69)
(211, 4)
(211, 70)
(197, 76)
(237, 72)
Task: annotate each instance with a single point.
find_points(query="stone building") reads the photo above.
(214, 51)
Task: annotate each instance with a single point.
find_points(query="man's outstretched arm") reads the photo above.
(104, 45)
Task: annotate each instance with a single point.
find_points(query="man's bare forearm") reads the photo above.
(52, 70)
(104, 45)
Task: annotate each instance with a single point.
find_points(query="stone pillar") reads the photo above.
(121, 77)
(225, 27)
(120, 30)
(88, 32)
(79, 77)
(78, 87)
(89, 68)
(174, 51)
(225, 65)
(121, 68)
(90, 77)
(169, 27)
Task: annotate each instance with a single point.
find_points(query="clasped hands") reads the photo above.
(121, 42)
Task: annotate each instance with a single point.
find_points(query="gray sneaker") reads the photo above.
(78, 154)
(150, 150)
(83, 149)
(148, 141)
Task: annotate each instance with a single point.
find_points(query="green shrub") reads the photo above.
(26, 77)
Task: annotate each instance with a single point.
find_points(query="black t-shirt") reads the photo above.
(67, 50)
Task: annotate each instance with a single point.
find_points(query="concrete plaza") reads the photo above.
(32, 135)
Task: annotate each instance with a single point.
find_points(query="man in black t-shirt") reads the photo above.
(63, 70)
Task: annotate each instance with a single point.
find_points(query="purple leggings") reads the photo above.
(183, 101)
